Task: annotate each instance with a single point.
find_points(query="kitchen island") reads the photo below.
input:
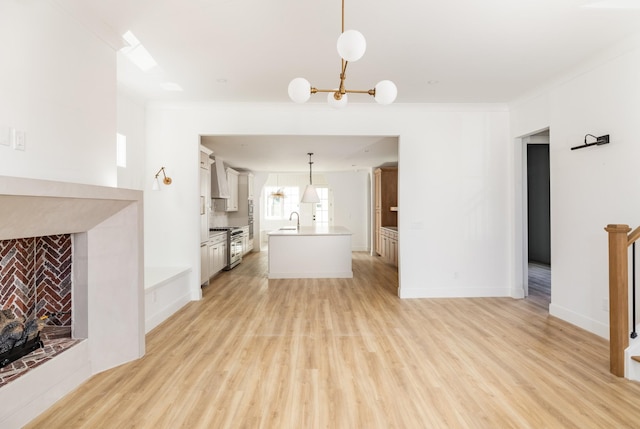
(310, 252)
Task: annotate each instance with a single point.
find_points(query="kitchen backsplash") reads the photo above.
(217, 219)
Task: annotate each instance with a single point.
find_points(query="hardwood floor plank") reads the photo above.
(348, 353)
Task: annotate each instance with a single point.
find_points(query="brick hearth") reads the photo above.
(56, 339)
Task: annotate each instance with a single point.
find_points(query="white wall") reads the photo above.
(58, 85)
(590, 187)
(352, 204)
(172, 214)
(456, 164)
(131, 124)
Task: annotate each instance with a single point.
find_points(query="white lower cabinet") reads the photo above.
(213, 251)
(217, 253)
(204, 263)
(247, 246)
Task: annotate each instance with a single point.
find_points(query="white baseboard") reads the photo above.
(160, 315)
(579, 320)
(456, 292)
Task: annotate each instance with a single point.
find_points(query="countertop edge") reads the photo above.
(310, 231)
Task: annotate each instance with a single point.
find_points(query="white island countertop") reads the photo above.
(312, 230)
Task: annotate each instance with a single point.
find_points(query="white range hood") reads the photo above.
(219, 185)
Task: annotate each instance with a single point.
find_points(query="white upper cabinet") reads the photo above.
(205, 161)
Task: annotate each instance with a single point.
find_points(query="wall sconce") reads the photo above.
(156, 183)
(599, 141)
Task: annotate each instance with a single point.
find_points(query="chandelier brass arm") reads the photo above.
(342, 90)
(371, 92)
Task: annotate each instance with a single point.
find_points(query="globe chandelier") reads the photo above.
(351, 47)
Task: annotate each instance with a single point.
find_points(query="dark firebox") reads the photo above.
(18, 336)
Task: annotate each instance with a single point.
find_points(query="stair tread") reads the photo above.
(636, 358)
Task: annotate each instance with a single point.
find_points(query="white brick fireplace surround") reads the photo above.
(108, 294)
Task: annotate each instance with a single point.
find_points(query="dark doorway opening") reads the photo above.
(539, 220)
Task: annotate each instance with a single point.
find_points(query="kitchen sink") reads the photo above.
(288, 228)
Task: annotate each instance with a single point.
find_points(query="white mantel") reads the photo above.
(108, 279)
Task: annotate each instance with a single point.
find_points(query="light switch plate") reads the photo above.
(20, 141)
(5, 136)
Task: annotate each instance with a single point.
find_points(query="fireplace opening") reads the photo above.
(35, 302)
(103, 228)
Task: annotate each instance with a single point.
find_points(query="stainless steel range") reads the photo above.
(234, 245)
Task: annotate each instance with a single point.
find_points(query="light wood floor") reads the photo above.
(258, 353)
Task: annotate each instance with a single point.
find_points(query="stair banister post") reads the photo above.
(618, 296)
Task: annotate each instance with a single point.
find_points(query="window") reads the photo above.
(121, 150)
(281, 201)
(321, 209)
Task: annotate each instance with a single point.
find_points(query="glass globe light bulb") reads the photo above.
(299, 90)
(386, 92)
(351, 45)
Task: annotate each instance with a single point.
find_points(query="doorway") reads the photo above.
(538, 215)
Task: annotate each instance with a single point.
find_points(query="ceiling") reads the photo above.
(435, 51)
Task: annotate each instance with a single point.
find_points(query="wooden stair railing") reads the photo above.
(619, 242)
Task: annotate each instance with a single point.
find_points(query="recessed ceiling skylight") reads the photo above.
(137, 53)
(614, 4)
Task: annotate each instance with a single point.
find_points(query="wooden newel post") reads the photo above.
(618, 296)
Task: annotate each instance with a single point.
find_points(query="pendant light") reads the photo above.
(351, 47)
(279, 193)
(310, 194)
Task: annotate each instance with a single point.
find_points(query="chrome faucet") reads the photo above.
(298, 218)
